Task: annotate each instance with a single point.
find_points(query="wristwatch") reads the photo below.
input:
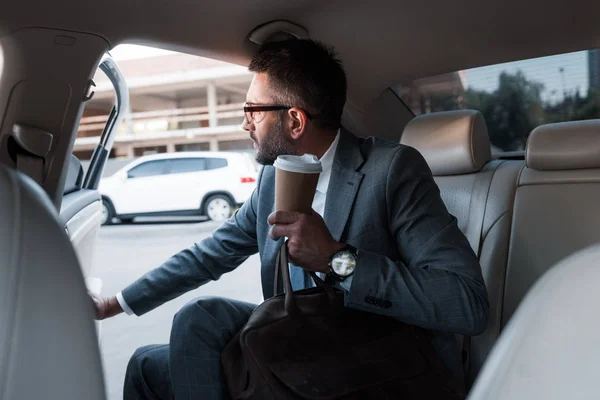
(343, 263)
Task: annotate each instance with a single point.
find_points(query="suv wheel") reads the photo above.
(218, 207)
(108, 212)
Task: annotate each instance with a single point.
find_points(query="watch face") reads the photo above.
(343, 263)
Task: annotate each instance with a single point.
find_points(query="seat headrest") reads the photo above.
(452, 143)
(564, 146)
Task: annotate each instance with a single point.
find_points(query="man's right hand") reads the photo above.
(105, 307)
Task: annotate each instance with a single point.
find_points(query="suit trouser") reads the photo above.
(189, 367)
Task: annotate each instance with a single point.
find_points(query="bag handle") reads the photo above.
(291, 308)
(282, 267)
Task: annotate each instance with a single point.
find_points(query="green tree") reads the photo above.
(514, 109)
(511, 111)
(588, 107)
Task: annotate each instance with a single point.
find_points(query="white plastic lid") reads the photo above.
(306, 164)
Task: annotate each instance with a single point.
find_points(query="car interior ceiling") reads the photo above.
(541, 204)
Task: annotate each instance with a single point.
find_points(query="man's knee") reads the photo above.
(148, 375)
(138, 362)
(198, 310)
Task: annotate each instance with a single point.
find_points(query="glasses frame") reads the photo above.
(250, 109)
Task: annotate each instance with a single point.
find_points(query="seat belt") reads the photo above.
(34, 145)
(474, 232)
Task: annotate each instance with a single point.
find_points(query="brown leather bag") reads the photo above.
(307, 345)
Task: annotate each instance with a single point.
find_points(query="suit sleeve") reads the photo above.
(438, 283)
(229, 246)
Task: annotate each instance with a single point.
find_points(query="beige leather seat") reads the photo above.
(550, 349)
(557, 204)
(48, 343)
(478, 192)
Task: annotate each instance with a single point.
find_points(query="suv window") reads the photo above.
(214, 163)
(149, 168)
(514, 97)
(185, 165)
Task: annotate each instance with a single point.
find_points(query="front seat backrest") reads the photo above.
(48, 342)
(557, 204)
(549, 349)
(456, 146)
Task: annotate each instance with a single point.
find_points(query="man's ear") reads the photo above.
(297, 122)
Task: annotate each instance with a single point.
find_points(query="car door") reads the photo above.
(143, 189)
(220, 176)
(80, 212)
(186, 183)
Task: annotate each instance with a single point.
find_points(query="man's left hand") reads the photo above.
(310, 244)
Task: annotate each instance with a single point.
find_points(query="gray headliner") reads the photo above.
(381, 42)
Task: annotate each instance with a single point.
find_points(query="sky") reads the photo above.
(132, 52)
(545, 70)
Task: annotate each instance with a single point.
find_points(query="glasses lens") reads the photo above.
(258, 116)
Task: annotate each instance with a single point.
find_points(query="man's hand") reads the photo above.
(105, 307)
(310, 243)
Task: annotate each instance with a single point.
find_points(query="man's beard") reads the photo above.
(274, 145)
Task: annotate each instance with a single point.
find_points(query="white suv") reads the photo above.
(186, 183)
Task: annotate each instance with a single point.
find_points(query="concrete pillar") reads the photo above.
(214, 144)
(128, 122)
(212, 104)
(170, 147)
(173, 125)
(130, 152)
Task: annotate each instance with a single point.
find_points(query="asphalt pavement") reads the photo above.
(126, 252)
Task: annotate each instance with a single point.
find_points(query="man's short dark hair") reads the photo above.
(306, 74)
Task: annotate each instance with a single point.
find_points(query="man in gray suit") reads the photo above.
(376, 201)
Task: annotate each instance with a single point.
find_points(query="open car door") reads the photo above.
(81, 207)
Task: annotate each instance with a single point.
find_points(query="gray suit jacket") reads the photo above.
(413, 264)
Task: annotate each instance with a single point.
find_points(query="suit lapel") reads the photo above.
(343, 184)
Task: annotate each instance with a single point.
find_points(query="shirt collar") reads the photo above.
(327, 164)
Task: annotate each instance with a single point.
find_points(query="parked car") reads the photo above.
(187, 183)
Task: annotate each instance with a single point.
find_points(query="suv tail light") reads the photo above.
(247, 179)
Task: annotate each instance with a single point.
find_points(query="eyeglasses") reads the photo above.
(257, 113)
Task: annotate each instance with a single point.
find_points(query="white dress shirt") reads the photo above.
(318, 205)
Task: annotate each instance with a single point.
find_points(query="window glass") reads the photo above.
(150, 168)
(185, 165)
(515, 97)
(214, 163)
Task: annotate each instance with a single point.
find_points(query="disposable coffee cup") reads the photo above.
(296, 180)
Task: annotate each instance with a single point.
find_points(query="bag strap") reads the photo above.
(277, 281)
(282, 264)
(282, 267)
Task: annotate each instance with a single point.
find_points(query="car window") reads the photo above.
(214, 163)
(514, 97)
(149, 168)
(185, 165)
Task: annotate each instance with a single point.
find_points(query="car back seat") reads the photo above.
(456, 146)
(557, 204)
